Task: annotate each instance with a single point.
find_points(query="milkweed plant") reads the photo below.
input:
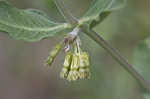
(33, 25)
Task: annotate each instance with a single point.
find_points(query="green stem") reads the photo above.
(100, 41)
(65, 13)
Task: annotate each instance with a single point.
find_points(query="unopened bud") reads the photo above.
(53, 53)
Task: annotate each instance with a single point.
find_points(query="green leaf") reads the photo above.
(37, 12)
(142, 59)
(100, 9)
(28, 25)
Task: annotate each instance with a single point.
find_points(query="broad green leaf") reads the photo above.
(99, 9)
(28, 25)
(142, 59)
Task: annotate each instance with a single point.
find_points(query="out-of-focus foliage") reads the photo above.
(49, 3)
(142, 59)
(146, 96)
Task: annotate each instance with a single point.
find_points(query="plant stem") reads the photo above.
(100, 41)
(65, 12)
(115, 54)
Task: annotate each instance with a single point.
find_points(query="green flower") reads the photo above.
(66, 66)
(74, 73)
(84, 66)
(76, 62)
(77, 67)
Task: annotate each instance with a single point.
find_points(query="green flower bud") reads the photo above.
(49, 61)
(75, 62)
(64, 72)
(84, 60)
(73, 73)
(68, 59)
(84, 66)
(53, 53)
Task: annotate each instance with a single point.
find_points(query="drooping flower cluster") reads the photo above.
(76, 63)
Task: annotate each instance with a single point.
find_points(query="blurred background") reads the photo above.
(24, 76)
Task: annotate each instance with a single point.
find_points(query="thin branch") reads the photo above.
(116, 55)
(65, 12)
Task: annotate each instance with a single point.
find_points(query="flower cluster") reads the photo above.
(76, 66)
(76, 63)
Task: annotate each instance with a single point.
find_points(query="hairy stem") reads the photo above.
(100, 41)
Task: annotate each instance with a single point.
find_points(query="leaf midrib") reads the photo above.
(64, 25)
